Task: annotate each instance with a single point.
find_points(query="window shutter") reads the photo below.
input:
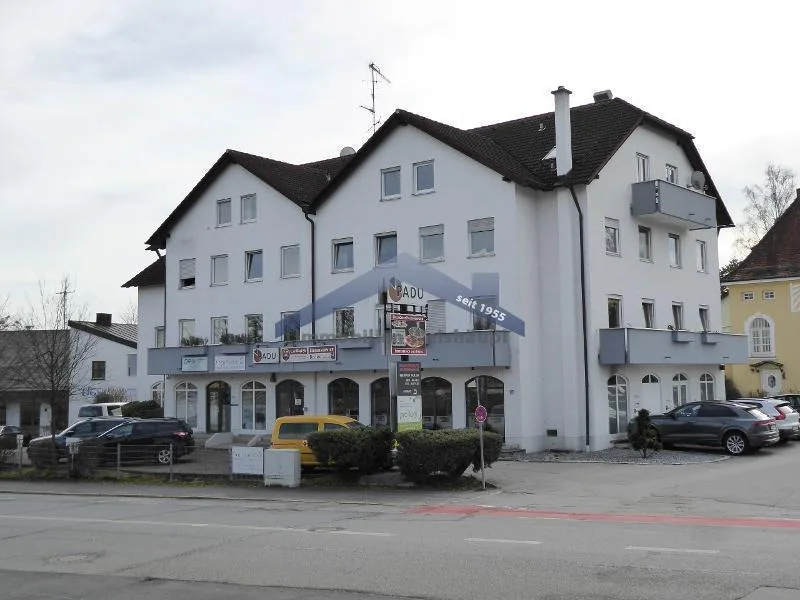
(432, 230)
(187, 268)
(481, 225)
(436, 317)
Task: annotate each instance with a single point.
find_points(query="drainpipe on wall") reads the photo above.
(313, 275)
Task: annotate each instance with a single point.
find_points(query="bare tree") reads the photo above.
(52, 359)
(765, 205)
(130, 315)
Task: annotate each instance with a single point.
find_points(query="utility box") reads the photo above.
(282, 467)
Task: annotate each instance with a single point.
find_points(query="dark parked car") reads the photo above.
(149, 439)
(8, 437)
(737, 428)
(40, 449)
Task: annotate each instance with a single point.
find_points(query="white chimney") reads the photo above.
(563, 132)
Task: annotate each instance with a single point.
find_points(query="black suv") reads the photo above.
(40, 449)
(163, 439)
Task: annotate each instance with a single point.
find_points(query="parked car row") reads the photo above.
(162, 439)
(739, 426)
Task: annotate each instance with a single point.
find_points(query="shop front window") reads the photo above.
(343, 398)
(437, 403)
(489, 392)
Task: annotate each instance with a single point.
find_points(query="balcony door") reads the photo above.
(218, 407)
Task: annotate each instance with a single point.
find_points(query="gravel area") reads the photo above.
(628, 456)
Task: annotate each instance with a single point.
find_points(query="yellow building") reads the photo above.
(762, 300)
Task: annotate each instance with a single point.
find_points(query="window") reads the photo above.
(249, 210)
(706, 387)
(649, 379)
(254, 406)
(680, 390)
(423, 177)
(385, 249)
(160, 337)
(614, 311)
(186, 403)
(436, 317)
(157, 392)
(748, 296)
(223, 212)
(343, 398)
(431, 243)
(186, 273)
(345, 322)
(769, 294)
(645, 247)
(290, 261)
(487, 391)
(185, 330)
(437, 403)
(702, 261)
(390, 183)
(480, 320)
(219, 269)
(290, 399)
(132, 365)
(612, 237)
(342, 255)
(219, 327)
(649, 312)
(674, 242)
(704, 319)
(617, 404)
(677, 315)
(671, 174)
(481, 236)
(98, 369)
(254, 325)
(254, 265)
(642, 167)
(291, 326)
(760, 332)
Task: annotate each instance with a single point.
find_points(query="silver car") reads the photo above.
(787, 419)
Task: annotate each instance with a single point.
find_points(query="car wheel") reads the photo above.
(736, 443)
(164, 456)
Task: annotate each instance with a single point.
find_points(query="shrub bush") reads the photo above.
(425, 454)
(367, 449)
(145, 409)
(43, 454)
(91, 455)
(642, 436)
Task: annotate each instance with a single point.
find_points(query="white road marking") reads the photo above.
(501, 541)
(678, 550)
(180, 524)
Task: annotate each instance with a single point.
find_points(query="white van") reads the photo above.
(103, 409)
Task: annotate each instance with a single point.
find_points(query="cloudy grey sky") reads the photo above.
(110, 111)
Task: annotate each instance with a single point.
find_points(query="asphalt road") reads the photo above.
(90, 548)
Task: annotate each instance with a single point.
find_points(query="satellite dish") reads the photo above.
(698, 180)
(347, 151)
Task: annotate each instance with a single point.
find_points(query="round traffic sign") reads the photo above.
(481, 414)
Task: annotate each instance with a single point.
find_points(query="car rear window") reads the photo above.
(757, 414)
(296, 431)
(769, 409)
(355, 425)
(90, 411)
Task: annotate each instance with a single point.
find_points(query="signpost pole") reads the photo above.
(483, 472)
(480, 417)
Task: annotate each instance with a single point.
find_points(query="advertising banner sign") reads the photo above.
(408, 335)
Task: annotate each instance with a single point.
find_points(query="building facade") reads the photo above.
(762, 301)
(569, 272)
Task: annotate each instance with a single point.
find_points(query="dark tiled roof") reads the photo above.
(299, 183)
(17, 348)
(777, 255)
(122, 333)
(153, 274)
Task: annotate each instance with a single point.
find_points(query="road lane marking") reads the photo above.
(502, 541)
(676, 550)
(181, 524)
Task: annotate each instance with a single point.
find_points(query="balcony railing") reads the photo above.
(668, 203)
(629, 346)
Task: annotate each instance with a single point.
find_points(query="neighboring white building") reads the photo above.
(112, 364)
(493, 212)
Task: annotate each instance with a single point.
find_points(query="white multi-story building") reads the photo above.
(589, 233)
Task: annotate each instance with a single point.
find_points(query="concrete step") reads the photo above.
(512, 452)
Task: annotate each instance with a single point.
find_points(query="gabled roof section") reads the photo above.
(153, 274)
(298, 183)
(777, 255)
(515, 149)
(122, 333)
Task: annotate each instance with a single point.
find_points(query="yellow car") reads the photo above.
(292, 432)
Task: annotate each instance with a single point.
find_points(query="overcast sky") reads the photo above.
(111, 111)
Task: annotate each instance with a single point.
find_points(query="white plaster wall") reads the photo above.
(151, 315)
(280, 223)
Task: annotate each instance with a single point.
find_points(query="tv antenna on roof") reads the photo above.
(375, 73)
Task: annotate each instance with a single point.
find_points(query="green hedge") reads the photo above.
(367, 449)
(424, 454)
(144, 409)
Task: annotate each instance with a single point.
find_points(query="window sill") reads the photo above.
(431, 260)
(98, 378)
(614, 254)
(291, 276)
(386, 266)
(703, 272)
(423, 192)
(221, 225)
(219, 284)
(675, 267)
(387, 198)
(188, 287)
(646, 260)
(255, 280)
(342, 271)
(249, 221)
(482, 255)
